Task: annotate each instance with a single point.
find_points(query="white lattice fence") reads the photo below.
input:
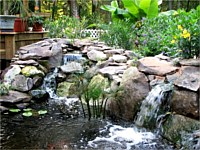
(94, 33)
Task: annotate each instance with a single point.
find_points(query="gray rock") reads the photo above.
(190, 62)
(39, 94)
(72, 67)
(172, 77)
(37, 81)
(2, 109)
(15, 97)
(189, 70)
(153, 65)
(114, 51)
(111, 70)
(26, 62)
(95, 55)
(90, 48)
(185, 103)
(191, 82)
(119, 58)
(22, 83)
(134, 88)
(36, 52)
(180, 131)
(11, 73)
(56, 59)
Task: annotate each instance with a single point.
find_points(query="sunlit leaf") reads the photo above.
(14, 110)
(42, 112)
(27, 114)
(27, 109)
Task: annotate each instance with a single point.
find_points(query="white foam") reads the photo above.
(120, 135)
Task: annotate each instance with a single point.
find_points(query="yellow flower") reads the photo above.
(185, 34)
(180, 27)
(173, 41)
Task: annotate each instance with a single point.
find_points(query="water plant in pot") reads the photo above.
(18, 8)
(36, 22)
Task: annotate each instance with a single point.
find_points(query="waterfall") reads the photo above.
(72, 57)
(49, 83)
(154, 105)
(68, 106)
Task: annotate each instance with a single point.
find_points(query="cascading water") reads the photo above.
(67, 105)
(49, 83)
(155, 104)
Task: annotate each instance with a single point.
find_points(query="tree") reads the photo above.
(73, 8)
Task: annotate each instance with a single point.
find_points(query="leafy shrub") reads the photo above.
(119, 33)
(133, 10)
(176, 34)
(65, 27)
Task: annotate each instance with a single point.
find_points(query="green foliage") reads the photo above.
(35, 18)
(14, 110)
(174, 33)
(42, 112)
(4, 90)
(133, 9)
(65, 26)
(119, 33)
(17, 7)
(92, 91)
(27, 113)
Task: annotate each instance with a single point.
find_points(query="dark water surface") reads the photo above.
(56, 131)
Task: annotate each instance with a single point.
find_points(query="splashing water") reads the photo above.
(156, 103)
(118, 137)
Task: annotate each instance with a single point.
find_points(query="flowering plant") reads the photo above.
(176, 34)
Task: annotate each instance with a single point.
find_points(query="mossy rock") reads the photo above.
(177, 128)
(66, 89)
(31, 71)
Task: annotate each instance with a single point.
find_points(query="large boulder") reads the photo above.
(11, 73)
(153, 65)
(56, 59)
(134, 88)
(181, 131)
(22, 83)
(185, 102)
(34, 52)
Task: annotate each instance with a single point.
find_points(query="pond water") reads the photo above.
(54, 130)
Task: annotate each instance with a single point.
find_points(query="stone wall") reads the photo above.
(131, 77)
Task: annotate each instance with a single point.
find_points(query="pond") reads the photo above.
(55, 130)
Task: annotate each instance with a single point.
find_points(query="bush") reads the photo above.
(65, 27)
(176, 34)
(118, 33)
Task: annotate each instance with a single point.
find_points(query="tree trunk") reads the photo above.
(74, 8)
(170, 4)
(5, 7)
